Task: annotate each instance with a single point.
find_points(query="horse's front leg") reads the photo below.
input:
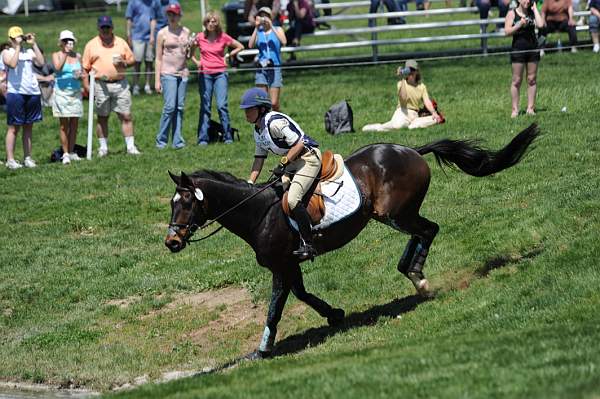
(334, 316)
(279, 295)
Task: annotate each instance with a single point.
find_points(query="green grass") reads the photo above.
(514, 263)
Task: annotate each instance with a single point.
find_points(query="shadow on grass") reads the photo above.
(316, 336)
(500, 261)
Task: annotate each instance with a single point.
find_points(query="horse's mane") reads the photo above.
(227, 178)
(224, 177)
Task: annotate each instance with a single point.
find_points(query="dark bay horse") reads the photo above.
(393, 181)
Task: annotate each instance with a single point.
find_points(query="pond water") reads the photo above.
(6, 393)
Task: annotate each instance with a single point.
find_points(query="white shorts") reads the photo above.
(143, 51)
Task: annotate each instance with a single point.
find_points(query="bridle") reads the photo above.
(191, 227)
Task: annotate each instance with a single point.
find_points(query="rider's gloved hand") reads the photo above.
(279, 170)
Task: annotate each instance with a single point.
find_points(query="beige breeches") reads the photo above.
(306, 167)
(402, 118)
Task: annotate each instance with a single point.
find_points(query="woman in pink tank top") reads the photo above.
(171, 76)
(212, 74)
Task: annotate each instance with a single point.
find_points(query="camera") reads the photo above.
(264, 63)
(261, 20)
(404, 71)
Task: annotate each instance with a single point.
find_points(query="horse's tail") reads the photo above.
(478, 161)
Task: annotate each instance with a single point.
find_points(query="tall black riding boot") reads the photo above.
(306, 250)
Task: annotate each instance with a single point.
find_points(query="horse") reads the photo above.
(393, 181)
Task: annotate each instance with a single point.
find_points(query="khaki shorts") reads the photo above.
(67, 103)
(112, 97)
(143, 51)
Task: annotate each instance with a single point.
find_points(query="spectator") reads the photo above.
(484, 10)
(212, 74)
(558, 16)
(391, 7)
(302, 20)
(412, 96)
(593, 22)
(268, 39)
(141, 25)
(109, 56)
(67, 105)
(161, 18)
(520, 24)
(251, 8)
(45, 78)
(3, 47)
(23, 103)
(171, 77)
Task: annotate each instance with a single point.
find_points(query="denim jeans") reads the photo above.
(209, 83)
(484, 10)
(173, 88)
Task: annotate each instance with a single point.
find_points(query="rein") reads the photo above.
(192, 227)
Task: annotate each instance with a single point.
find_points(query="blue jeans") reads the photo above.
(484, 9)
(173, 88)
(209, 83)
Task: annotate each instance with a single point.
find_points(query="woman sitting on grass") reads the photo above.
(412, 96)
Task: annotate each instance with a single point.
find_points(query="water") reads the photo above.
(6, 393)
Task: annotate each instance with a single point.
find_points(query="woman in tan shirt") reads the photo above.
(412, 96)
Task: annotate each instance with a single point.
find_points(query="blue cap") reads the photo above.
(255, 97)
(104, 20)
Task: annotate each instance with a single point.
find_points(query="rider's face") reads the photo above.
(251, 114)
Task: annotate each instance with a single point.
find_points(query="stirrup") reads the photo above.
(305, 252)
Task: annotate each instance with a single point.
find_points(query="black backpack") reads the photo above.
(216, 132)
(339, 118)
(57, 154)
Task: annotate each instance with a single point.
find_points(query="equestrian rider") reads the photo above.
(280, 134)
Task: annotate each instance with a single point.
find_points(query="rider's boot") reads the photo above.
(306, 250)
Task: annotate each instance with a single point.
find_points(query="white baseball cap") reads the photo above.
(67, 35)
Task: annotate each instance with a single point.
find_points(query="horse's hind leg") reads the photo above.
(334, 316)
(411, 263)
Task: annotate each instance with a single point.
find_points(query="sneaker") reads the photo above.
(74, 157)
(12, 164)
(203, 143)
(102, 152)
(133, 151)
(136, 90)
(228, 142)
(66, 159)
(147, 89)
(573, 50)
(596, 48)
(29, 163)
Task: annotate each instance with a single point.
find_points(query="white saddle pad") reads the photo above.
(342, 198)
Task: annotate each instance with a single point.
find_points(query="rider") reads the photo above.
(280, 134)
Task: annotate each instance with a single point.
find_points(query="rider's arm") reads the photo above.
(294, 152)
(256, 168)
(280, 129)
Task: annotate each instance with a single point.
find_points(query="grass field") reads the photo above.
(89, 295)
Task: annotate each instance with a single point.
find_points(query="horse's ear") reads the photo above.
(186, 181)
(175, 178)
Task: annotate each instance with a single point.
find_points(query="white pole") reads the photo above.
(91, 115)
(26, 8)
(202, 9)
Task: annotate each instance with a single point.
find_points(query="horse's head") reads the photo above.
(187, 212)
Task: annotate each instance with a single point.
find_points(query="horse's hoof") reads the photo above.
(336, 318)
(258, 355)
(422, 287)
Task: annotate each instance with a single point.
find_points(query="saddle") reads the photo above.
(332, 168)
